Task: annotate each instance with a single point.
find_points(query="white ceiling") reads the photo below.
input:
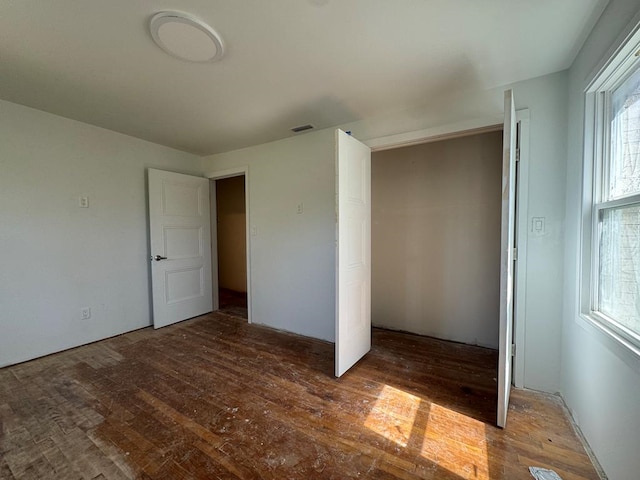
(287, 62)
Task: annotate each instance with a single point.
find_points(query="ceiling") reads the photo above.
(287, 62)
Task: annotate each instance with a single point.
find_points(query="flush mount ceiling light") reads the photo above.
(186, 37)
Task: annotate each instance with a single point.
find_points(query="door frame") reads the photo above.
(474, 127)
(219, 175)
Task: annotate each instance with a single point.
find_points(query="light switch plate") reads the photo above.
(538, 226)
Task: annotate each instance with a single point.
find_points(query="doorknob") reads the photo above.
(158, 258)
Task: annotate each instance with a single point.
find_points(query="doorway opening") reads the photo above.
(435, 240)
(229, 221)
(521, 148)
(450, 281)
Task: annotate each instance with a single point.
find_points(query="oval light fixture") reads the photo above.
(186, 37)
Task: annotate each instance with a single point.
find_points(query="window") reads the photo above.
(611, 244)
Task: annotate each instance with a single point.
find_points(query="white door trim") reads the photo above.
(444, 132)
(473, 127)
(219, 175)
(522, 234)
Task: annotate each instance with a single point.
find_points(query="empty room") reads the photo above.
(319, 239)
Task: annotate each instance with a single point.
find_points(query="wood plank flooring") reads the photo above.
(216, 398)
(233, 303)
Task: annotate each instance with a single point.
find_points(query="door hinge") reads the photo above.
(515, 254)
(513, 349)
(517, 154)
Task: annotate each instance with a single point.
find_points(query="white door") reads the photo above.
(507, 243)
(180, 235)
(353, 255)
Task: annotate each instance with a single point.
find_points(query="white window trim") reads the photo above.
(595, 155)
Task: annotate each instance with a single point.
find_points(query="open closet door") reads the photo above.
(507, 245)
(179, 229)
(353, 251)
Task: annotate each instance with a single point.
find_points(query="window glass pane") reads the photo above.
(619, 276)
(624, 168)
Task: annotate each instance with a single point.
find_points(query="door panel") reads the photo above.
(182, 285)
(183, 242)
(507, 244)
(353, 255)
(179, 225)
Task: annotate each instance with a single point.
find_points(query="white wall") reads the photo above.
(600, 380)
(435, 241)
(292, 255)
(56, 257)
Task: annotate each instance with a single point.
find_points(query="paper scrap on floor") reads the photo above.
(544, 474)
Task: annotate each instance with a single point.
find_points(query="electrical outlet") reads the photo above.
(85, 313)
(83, 201)
(300, 208)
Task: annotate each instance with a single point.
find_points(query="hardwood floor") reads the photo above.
(233, 303)
(216, 398)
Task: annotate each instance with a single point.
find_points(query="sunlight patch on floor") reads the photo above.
(445, 437)
(393, 415)
(456, 442)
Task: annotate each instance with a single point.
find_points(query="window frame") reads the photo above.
(597, 140)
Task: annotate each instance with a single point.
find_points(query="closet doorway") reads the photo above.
(449, 247)
(435, 240)
(231, 245)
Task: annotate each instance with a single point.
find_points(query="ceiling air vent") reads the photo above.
(301, 128)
